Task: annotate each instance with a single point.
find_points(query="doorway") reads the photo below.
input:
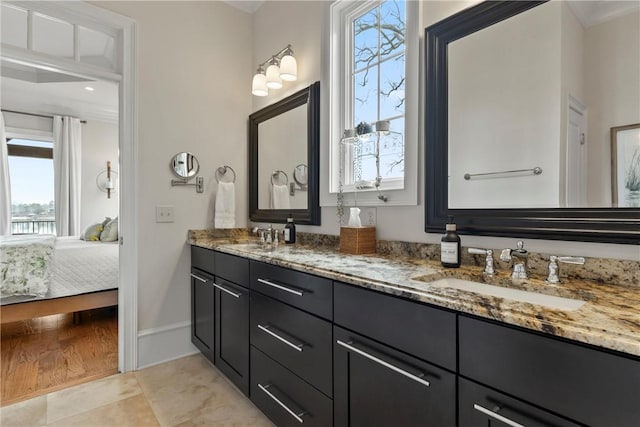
(75, 19)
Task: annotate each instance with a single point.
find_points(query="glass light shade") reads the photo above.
(259, 85)
(288, 68)
(273, 77)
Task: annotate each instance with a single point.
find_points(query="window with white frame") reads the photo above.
(374, 64)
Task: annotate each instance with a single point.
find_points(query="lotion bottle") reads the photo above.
(450, 246)
(290, 231)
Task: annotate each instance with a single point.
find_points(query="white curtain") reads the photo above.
(67, 142)
(5, 184)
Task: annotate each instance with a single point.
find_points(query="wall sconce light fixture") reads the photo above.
(281, 66)
(106, 180)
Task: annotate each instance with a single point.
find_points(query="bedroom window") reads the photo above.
(374, 51)
(32, 190)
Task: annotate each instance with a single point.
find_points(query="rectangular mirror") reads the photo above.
(521, 101)
(283, 159)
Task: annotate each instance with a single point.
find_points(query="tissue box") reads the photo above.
(358, 240)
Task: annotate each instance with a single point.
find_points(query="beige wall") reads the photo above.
(99, 144)
(193, 94)
(612, 56)
(195, 62)
(504, 86)
(310, 37)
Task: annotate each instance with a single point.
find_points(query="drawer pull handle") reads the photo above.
(496, 416)
(281, 287)
(297, 416)
(195, 276)
(349, 346)
(297, 347)
(223, 289)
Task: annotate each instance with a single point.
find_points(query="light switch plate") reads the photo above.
(165, 214)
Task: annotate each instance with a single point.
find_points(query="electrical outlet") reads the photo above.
(368, 216)
(165, 214)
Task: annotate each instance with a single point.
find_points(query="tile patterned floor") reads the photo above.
(185, 392)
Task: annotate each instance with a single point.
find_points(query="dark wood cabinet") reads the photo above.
(298, 340)
(581, 383)
(313, 351)
(232, 332)
(202, 313)
(232, 318)
(304, 291)
(481, 406)
(376, 385)
(285, 398)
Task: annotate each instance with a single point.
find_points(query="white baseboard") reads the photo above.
(159, 345)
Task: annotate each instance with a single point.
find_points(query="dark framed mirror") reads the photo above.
(499, 159)
(283, 136)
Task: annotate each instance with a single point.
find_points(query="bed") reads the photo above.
(81, 276)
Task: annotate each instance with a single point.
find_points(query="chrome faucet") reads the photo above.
(553, 266)
(489, 265)
(519, 257)
(268, 236)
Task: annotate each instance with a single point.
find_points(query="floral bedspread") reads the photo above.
(25, 264)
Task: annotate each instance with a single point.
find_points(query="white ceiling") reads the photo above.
(249, 6)
(596, 12)
(45, 92)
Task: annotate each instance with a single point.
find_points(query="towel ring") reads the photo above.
(222, 171)
(278, 172)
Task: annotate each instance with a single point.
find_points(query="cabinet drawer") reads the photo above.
(583, 384)
(284, 398)
(379, 386)
(422, 331)
(297, 340)
(305, 291)
(480, 406)
(232, 268)
(203, 259)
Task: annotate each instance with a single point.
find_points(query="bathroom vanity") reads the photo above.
(320, 338)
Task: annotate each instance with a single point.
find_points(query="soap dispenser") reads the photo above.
(450, 251)
(290, 231)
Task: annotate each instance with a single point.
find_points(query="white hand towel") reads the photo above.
(225, 215)
(280, 197)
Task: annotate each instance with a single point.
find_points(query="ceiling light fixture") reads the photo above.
(281, 66)
(89, 88)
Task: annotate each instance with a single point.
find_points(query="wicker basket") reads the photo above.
(358, 240)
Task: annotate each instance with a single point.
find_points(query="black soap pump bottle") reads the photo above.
(450, 247)
(290, 231)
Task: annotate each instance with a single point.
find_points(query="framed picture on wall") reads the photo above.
(625, 166)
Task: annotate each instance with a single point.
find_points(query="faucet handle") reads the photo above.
(489, 265)
(553, 266)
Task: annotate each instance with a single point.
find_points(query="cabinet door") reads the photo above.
(378, 386)
(481, 406)
(232, 332)
(202, 313)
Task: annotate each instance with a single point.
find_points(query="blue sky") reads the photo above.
(31, 180)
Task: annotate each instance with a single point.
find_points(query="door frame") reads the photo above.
(125, 28)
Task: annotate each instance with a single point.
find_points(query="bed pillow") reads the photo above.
(110, 232)
(92, 232)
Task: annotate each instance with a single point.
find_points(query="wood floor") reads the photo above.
(50, 353)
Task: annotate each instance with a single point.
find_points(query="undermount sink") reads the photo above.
(549, 301)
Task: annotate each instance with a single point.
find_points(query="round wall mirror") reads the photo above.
(185, 165)
(300, 175)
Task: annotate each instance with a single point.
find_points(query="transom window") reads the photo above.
(374, 64)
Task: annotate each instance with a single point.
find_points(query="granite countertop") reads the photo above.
(609, 319)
